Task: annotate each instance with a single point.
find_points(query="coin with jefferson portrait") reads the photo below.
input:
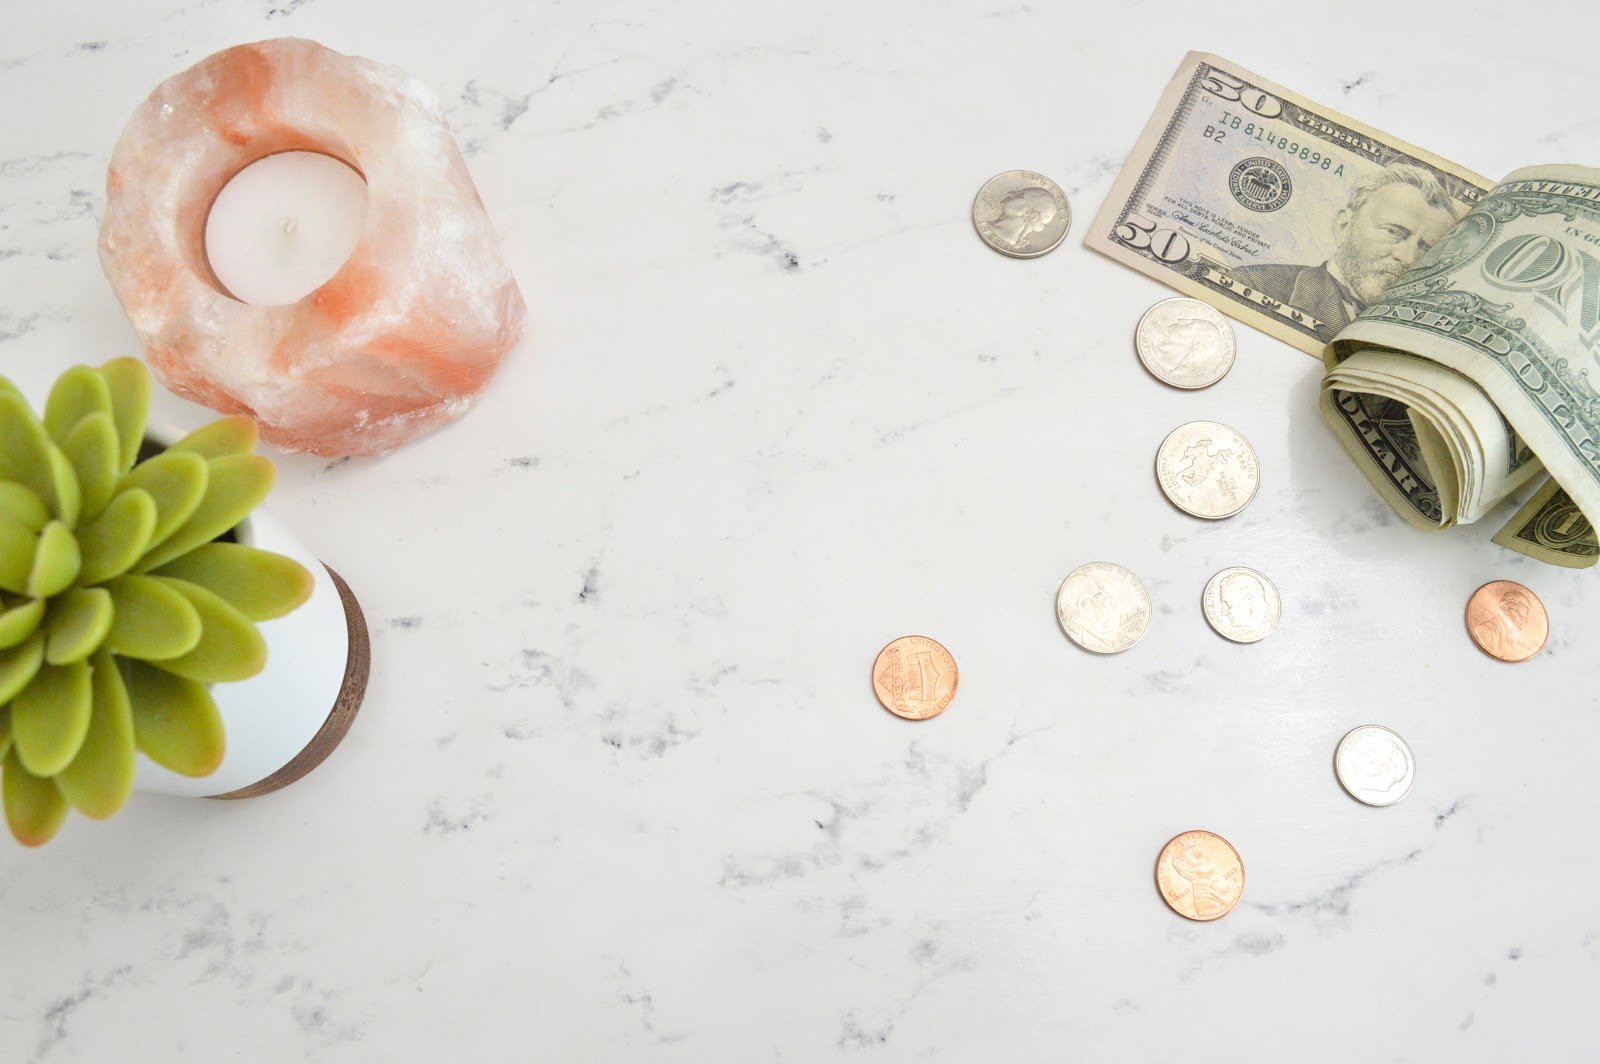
(1103, 607)
(1021, 214)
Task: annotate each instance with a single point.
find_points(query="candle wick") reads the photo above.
(289, 226)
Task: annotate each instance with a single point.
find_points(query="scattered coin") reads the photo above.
(1374, 765)
(1185, 343)
(1103, 607)
(1241, 604)
(1021, 214)
(1507, 621)
(1200, 876)
(914, 677)
(1207, 470)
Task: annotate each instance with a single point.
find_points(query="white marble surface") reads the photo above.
(620, 789)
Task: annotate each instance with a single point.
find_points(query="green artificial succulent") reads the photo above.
(122, 595)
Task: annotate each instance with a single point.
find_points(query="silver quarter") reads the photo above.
(1021, 214)
(1207, 470)
(1103, 607)
(1185, 343)
(1241, 604)
(1374, 764)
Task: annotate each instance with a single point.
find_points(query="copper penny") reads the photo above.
(1200, 876)
(914, 677)
(1507, 621)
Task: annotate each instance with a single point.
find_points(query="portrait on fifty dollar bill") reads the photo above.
(1392, 217)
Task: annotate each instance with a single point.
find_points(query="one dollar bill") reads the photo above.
(1246, 195)
(1504, 316)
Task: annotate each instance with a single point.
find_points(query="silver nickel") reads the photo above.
(1207, 470)
(1241, 604)
(1185, 343)
(1103, 607)
(1021, 214)
(1374, 765)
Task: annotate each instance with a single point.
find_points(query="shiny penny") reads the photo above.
(1207, 470)
(1241, 604)
(1103, 607)
(1200, 876)
(1021, 214)
(1507, 621)
(1185, 343)
(914, 677)
(1374, 765)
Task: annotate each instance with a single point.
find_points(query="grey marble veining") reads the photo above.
(620, 789)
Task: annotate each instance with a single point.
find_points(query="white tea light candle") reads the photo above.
(284, 225)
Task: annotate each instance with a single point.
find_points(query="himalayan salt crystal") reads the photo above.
(408, 331)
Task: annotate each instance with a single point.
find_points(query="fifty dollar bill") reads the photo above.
(1238, 193)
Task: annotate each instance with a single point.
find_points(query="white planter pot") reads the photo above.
(285, 720)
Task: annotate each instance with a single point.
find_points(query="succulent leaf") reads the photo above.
(176, 481)
(175, 722)
(236, 485)
(129, 384)
(21, 505)
(56, 561)
(17, 548)
(100, 778)
(79, 622)
(7, 388)
(78, 393)
(34, 808)
(230, 648)
(152, 621)
(5, 726)
(20, 621)
(19, 665)
(224, 436)
(65, 498)
(92, 449)
(51, 716)
(258, 583)
(118, 537)
(24, 447)
(28, 457)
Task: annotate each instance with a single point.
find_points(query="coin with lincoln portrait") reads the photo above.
(1200, 875)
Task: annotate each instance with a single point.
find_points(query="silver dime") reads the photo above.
(1102, 607)
(1207, 470)
(1021, 214)
(1185, 343)
(1374, 765)
(1241, 604)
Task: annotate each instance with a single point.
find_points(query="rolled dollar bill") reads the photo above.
(1475, 372)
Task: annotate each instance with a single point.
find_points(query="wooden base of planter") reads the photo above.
(358, 664)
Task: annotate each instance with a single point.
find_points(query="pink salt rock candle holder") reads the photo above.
(404, 335)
